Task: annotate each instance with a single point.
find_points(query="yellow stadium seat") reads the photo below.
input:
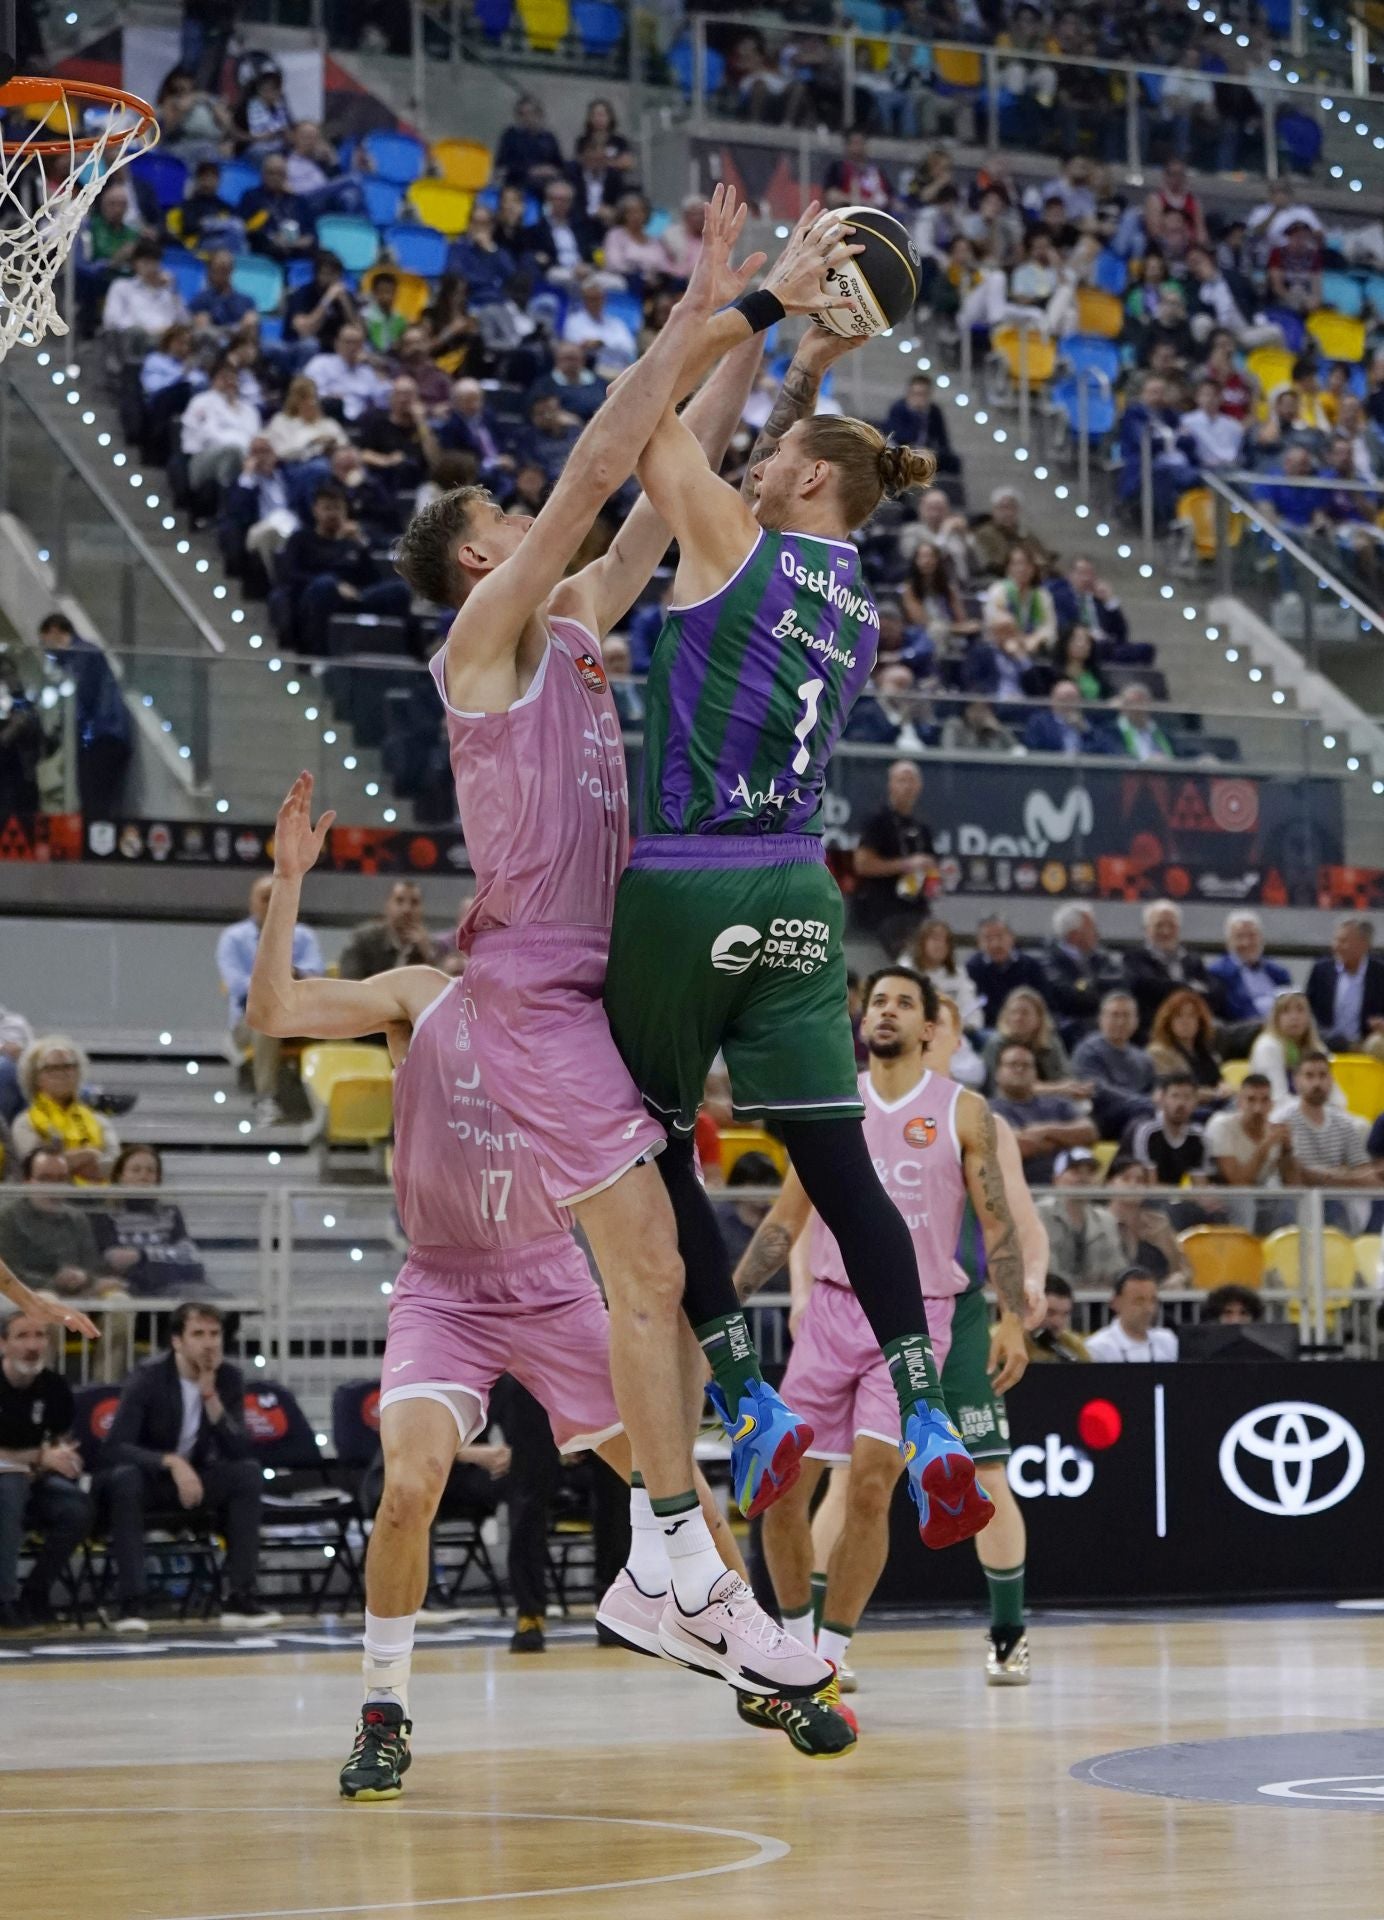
(1103, 1153)
(1361, 1079)
(1283, 1258)
(736, 1141)
(1025, 348)
(1223, 1256)
(462, 163)
(546, 23)
(412, 292)
(1272, 367)
(1338, 336)
(445, 208)
(1196, 511)
(957, 69)
(1233, 1072)
(351, 1087)
(1367, 1259)
(1099, 313)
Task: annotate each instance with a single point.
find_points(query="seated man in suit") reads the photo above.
(1077, 971)
(1250, 982)
(178, 1442)
(1346, 991)
(1063, 727)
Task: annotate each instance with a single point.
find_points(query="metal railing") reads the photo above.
(307, 1273)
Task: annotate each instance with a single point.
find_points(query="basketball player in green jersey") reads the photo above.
(728, 927)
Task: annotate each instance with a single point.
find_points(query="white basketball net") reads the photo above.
(44, 198)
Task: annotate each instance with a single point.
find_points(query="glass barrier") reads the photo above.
(305, 1275)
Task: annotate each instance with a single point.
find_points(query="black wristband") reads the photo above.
(762, 309)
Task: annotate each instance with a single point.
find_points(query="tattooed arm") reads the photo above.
(980, 1160)
(773, 1238)
(797, 398)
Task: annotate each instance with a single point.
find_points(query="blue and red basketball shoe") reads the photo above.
(951, 1505)
(767, 1444)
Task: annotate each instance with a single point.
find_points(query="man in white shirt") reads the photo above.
(1248, 1150)
(235, 960)
(1132, 1334)
(590, 323)
(1327, 1146)
(1214, 434)
(347, 376)
(147, 302)
(217, 429)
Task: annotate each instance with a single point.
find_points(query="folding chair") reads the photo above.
(303, 1511)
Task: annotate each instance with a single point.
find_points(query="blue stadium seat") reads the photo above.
(1087, 352)
(417, 249)
(260, 279)
(236, 181)
(1100, 406)
(1374, 292)
(396, 157)
(1112, 275)
(189, 274)
(1343, 292)
(164, 175)
(627, 307)
(682, 65)
(1299, 140)
(297, 274)
(382, 200)
(599, 26)
(869, 16)
(494, 17)
(353, 240)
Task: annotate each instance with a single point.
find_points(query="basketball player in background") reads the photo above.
(728, 932)
(494, 1283)
(958, 1183)
(541, 790)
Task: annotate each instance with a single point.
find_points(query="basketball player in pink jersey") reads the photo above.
(541, 788)
(494, 1283)
(959, 1186)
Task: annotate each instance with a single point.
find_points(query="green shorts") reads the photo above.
(976, 1409)
(746, 961)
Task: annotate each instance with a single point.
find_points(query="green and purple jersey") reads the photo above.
(748, 693)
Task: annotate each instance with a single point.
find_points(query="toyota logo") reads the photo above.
(1294, 1437)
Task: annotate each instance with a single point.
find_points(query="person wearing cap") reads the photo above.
(1083, 1239)
(1133, 1334)
(996, 536)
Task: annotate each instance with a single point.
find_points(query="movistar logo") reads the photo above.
(836, 594)
(728, 953)
(1047, 822)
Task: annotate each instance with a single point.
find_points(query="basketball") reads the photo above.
(882, 281)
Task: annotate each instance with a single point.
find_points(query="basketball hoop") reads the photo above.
(81, 134)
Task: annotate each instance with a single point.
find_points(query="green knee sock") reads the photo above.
(1006, 1586)
(730, 1353)
(819, 1599)
(913, 1369)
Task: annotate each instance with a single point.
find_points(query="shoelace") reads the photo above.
(740, 1603)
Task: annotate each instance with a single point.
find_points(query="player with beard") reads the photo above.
(955, 1179)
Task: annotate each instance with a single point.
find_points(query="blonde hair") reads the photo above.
(300, 388)
(868, 468)
(1047, 1034)
(1311, 1041)
(34, 1055)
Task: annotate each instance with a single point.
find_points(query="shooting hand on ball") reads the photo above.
(797, 278)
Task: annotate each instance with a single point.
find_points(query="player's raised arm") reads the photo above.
(325, 1009)
(797, 398)
(980, 1162)
(773, 1237)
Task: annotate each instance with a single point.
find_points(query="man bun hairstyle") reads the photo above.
(426, 554)
(903, 467)
(868, 468)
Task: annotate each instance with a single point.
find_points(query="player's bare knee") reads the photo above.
(412, 1490)
(872, 1490)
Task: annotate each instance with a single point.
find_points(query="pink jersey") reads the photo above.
(464, 1176)
(914, 1145)
(542, 793)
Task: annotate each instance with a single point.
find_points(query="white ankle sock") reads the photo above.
(647, 1565)
(388, 1656)
(694, 1565)
(799, 1625)
(833, 1646)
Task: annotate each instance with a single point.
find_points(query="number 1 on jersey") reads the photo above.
(810, 693)
(495, 1185)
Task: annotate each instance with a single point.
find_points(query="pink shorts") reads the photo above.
(546, 1055)
(457, 1322)
(837, 1378)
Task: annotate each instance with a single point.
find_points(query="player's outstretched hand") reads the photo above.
(41, 1307)
(716, 280)
(1008, 1354)
(297, 842)
(819, 242)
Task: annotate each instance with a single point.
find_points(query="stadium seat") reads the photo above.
(1194, 519)
(462, 163)
(301, 1512)
(1092, 353)
(164, 175)
(1112, 274)
(1299, 140)
(1338, 335)
(682, 63)
(351, 1089)
(956, 73)
(1223, 1256)
(737, 1141)
(420, 250)
(383, 199)
(448, 209)
(1025, 351)
(236, 181)
(1374, 292)
(260, 279)
(1103, 1153)
(356, 1422)
(1283, 1259)
(627, 307)
(546, 23)
(1272, 367)
(1367, 1250)
(1099, 313)
(1234, 1072)
(600, 27)
(189, 274)
(494, 17)
(396, 157)
(1343, 293)
(412, 292)
(353, 240)
(1361, 1079)
(1065, 398)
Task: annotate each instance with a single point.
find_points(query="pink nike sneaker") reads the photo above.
(733, 1639)
(632, 1615)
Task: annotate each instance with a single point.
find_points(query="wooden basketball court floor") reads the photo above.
(1199, 1766)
